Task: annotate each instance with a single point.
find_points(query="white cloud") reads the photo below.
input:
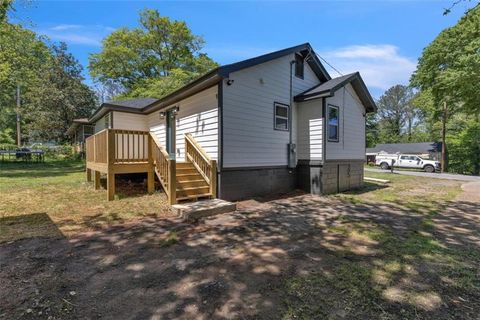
(381, 66)
(90, 35)
(61, 27)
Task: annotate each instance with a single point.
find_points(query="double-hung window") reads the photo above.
(333, 123)
(281, 114)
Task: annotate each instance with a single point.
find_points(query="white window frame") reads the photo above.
(328, 123)
(275, 116)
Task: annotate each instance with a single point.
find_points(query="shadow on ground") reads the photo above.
(303, 256)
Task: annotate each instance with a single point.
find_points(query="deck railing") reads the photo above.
(96, 147)
(202, 162)
(166, 168)
(130, 146)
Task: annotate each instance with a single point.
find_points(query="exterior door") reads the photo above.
(170, 136)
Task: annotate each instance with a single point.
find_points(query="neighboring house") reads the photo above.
(265, 125)
(428, 150)
(79, 131)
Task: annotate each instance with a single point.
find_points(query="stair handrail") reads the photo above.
(207, 167)
(165, 168)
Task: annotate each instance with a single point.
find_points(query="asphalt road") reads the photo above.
(448, 176)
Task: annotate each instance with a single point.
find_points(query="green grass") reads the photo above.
(54, 199)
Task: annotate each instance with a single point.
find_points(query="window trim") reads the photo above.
(275, 104)
(298, 55)
(328, 123)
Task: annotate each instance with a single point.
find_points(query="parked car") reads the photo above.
(406, 161)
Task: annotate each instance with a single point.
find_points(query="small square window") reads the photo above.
(333, 123)
(281, 117)
(299, 65)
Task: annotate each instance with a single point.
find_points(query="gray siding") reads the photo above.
(351, 144)
(248, 133)
(129, 121)
(198, 115)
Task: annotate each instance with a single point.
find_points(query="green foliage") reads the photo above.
(397, 118)
(143, 59)
(449, 71)
(59, 98)
(464, 149)
(50, 80)
(6, 136)
(5, 6)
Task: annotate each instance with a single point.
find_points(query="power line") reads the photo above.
(329, 64)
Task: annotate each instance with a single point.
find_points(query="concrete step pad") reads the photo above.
(204, 208)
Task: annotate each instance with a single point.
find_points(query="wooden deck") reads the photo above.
(114, 151)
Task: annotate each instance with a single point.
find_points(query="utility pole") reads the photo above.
(444, 134)
(19, 135)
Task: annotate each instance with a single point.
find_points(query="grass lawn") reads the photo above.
(53, 198)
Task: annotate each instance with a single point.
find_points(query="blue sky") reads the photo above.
(382, 40)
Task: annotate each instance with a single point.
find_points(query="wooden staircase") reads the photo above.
(190, 180)
(190, 183)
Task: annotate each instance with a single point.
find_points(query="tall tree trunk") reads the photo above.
(444, 134)
(19, 133)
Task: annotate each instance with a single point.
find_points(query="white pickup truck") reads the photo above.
(406, 161)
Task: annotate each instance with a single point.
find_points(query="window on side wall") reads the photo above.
(333, 116)
(299, 66)
(281, 116)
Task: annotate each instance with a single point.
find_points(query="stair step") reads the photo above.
(192, 183)
(186, 175)
(183, 165)
(193, 191)
(204, 208)
(196, 196)
(186, 170)
(202, 189)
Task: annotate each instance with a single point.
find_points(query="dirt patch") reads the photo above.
(298, 257)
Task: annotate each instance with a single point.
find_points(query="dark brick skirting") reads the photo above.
(244, 183)
(311, 176)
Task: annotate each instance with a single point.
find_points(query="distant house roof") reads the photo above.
(327, 89)
(131, 105)
(407, 148)
(75, 124)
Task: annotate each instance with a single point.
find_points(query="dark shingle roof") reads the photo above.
(407, 148)
(328, 88)
(133, 103)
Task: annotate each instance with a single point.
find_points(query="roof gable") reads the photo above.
(327, 89)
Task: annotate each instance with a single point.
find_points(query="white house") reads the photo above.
(271, 124)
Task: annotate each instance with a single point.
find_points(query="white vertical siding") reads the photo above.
(309, 123)
(129, 121)
(248, 128)
(198, 115)
(351, 144)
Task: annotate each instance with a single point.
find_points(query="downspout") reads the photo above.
(291, 146)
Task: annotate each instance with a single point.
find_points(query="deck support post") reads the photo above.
(172, 182)
(150, 173)
(96, 180)
(110, 186)
(89, 175)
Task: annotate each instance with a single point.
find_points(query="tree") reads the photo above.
(449, 71)
(59, 98)
(395, 113)
(5, 6)
(23, 57)
(134, 57)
